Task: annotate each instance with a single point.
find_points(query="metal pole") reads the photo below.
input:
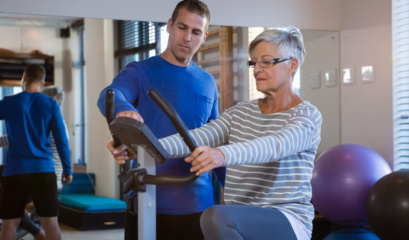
(147, 200)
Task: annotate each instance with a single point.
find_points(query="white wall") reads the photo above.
(49, 42)
(100, 72)
(366, 108)
(99, 59)
(322, 56)
(365, 38)
(306, 14)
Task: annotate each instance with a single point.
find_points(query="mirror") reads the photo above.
(319, 75)
(318, 81)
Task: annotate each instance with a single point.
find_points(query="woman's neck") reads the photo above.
(274, 104)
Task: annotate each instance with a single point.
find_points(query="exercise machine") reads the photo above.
(139, 139)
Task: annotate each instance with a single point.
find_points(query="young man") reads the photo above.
(193, 93)
(29, 170)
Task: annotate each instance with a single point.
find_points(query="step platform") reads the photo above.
(81, 209)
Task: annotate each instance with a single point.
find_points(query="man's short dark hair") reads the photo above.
(35, 73)
(193, 6)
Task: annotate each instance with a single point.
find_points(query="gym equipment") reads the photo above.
(352, 234)
(31, 225)
(388, 208)
(80, 208)
(109, 113)
(139, 139)
(342, 178)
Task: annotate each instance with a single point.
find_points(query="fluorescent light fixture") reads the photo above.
(34, 23)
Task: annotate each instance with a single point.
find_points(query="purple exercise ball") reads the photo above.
(342, 179)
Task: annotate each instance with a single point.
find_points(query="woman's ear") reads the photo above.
(293, 65)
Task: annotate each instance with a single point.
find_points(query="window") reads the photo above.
(400, 51)
(5, 91)
(135, 41)
(79, 69)
(253, 93)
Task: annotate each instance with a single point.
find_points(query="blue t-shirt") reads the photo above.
(30, 118)
(193, 93)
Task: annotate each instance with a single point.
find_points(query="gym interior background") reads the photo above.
(342, 37)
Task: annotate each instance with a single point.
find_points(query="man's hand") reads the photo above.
(66, 179)
(130, 114)
(205, 158)
(121, 153)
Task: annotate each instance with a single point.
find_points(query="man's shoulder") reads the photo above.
(41, 97)
(15, 98)
(26, 95)
(196, 67)
(200, 72)
(144, 62)
(142, 65)
(44, 97)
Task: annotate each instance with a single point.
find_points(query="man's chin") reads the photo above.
(184, 58)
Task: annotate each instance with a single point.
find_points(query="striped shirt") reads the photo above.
(57, 160)
(270, 157)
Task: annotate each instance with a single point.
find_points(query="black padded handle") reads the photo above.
(184, 133)
(109, 113)
(174, 118)
(134, 133)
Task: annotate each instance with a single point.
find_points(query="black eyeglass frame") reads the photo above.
(274, 61)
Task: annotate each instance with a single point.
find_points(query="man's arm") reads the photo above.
(121, 103)
(215, 109)
(126, 91)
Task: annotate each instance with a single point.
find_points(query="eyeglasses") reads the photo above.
(267, 62)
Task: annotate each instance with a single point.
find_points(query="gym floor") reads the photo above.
(69, 233)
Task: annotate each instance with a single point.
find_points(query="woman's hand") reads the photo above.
(121, 153)
(205, 158)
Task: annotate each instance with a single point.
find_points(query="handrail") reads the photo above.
(134, 177)
(109, 113)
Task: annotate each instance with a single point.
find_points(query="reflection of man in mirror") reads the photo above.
(193, 93)
(29, 169)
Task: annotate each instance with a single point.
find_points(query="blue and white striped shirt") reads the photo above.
(270, 157)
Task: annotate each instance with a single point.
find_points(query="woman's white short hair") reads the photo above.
(289, 42)
(54, 92)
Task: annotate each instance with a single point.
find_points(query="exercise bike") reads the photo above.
(139, 139)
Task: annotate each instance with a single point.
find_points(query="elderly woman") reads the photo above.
(58, 94)
(268, 145)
